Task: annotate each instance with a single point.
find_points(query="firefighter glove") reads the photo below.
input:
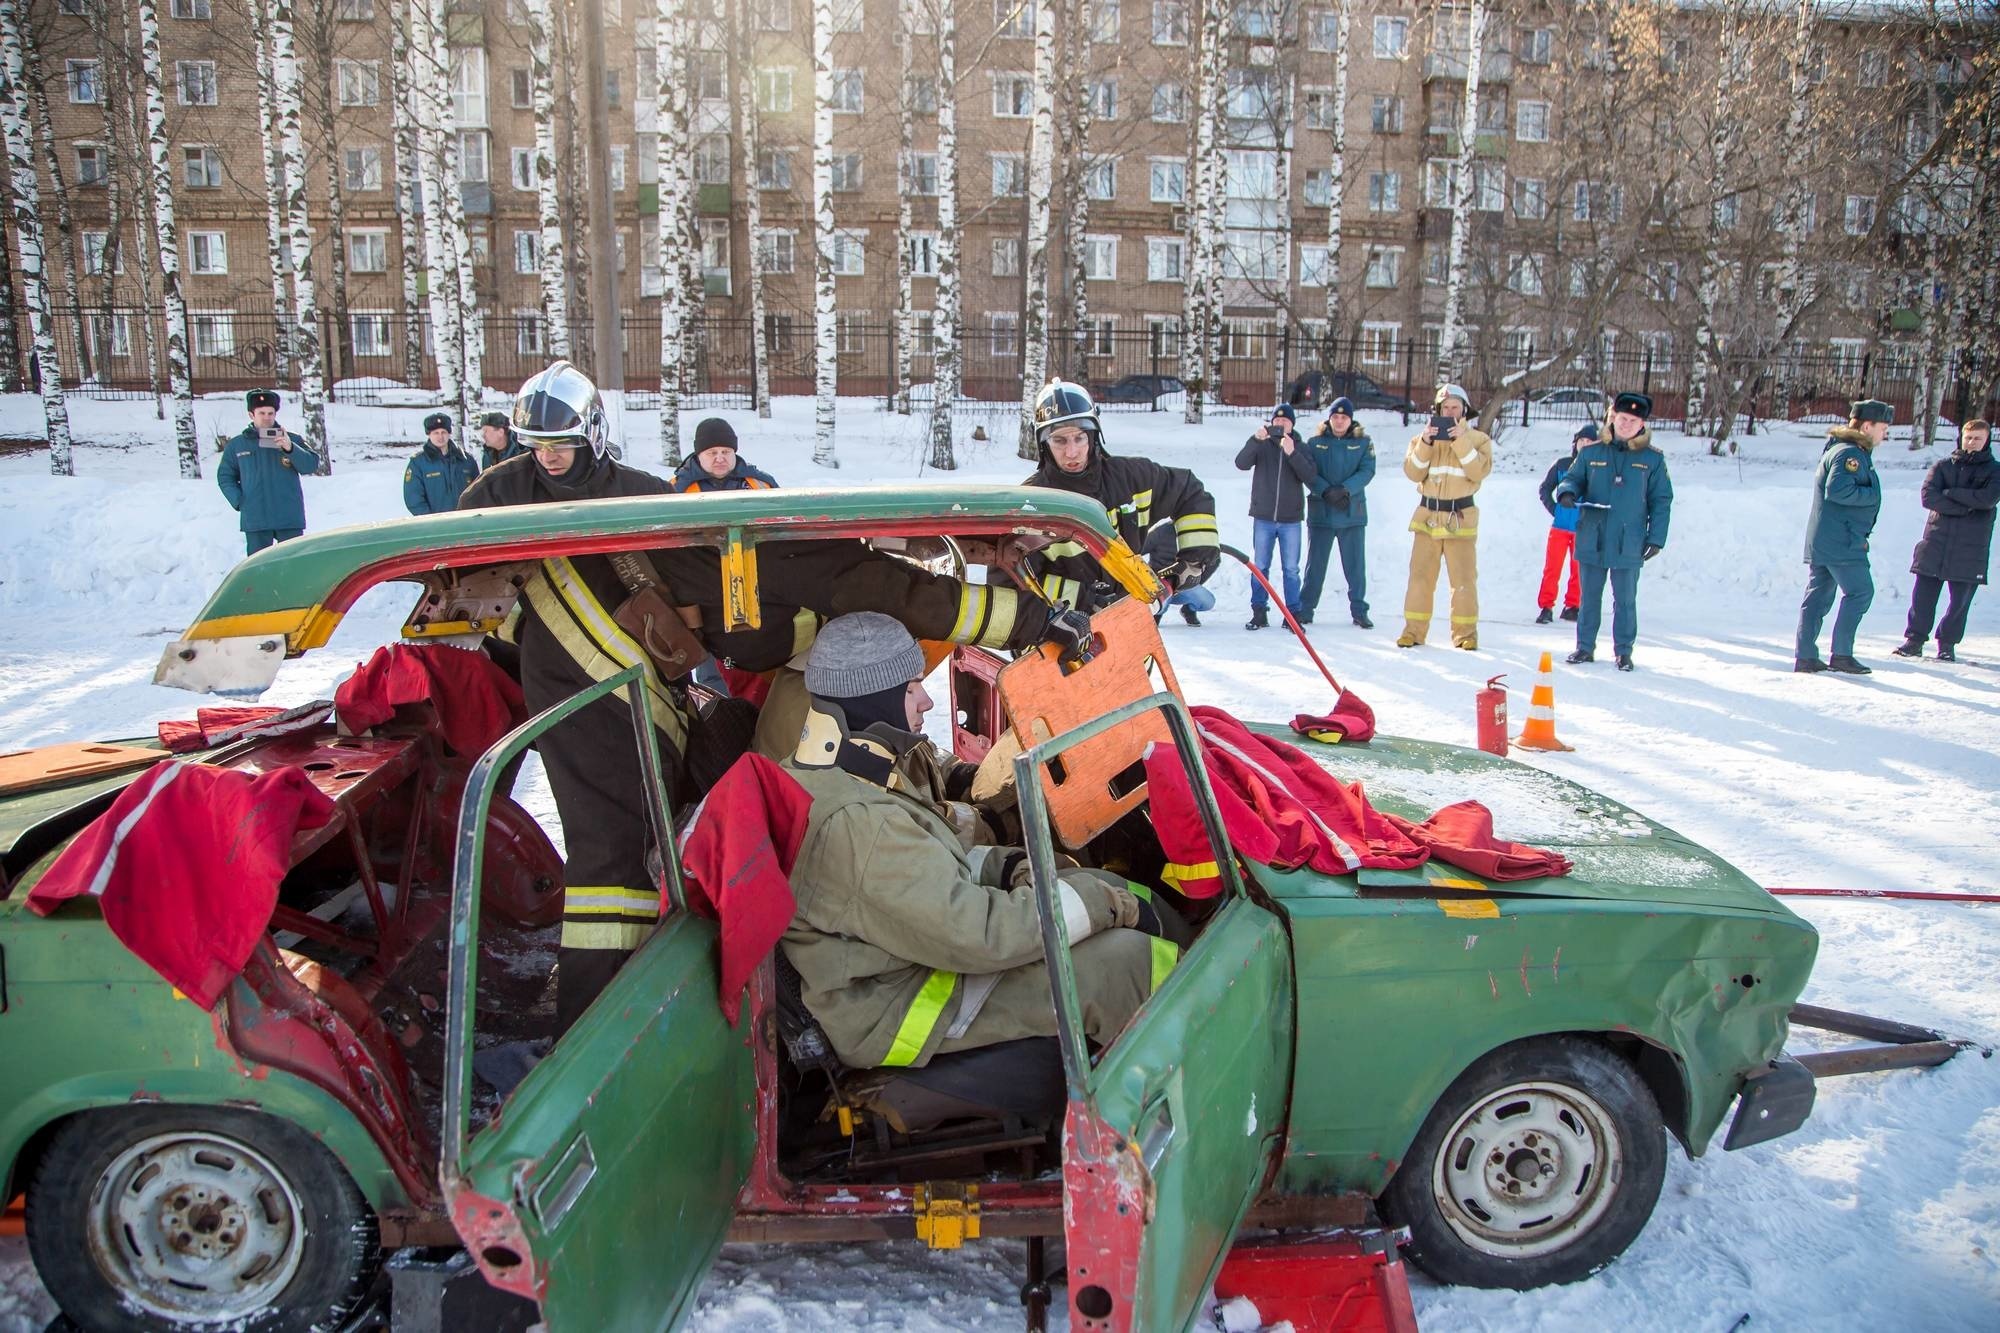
(1197, 563)
(1069, 630)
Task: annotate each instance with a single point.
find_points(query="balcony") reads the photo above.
(1494, 66)
(712, 199)
(1485, 144)
(715, 282)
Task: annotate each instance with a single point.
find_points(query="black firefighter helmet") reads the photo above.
(1061, 402)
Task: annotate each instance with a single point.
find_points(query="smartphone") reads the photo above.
(270, 437)
(1443, 425)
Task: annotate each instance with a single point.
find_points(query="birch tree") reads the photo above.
(298, 223)
(947, 325)
(447, 308)
(409, 229)
(1452, 340)
(1041, 164)
(906, 148)
(1725, 139)
(10, 337)
(278, 252)
(826, 331)
(471, 342)
(1337, 168)
(1282, 125)
(143, 225)
(1078, 108)
(672, 40)
(179, 377)
(753, 207)
(1201, 371)
(27, 218)
(555, 281)
(72, 294)
(1792, 293)
(320, 32)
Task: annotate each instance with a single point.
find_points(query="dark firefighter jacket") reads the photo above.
(1135, 492)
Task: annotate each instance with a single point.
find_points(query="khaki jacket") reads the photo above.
(1448, 470)
(895, 913)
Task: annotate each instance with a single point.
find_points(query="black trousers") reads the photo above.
(1923, 609)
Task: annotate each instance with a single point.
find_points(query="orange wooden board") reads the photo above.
(1099, 782)
(25, 770)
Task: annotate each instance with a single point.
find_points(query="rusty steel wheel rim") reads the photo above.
(1528, 1169)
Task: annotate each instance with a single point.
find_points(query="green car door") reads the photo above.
(604, 1185)
(1173, 1130)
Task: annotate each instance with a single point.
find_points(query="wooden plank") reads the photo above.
(53, 765)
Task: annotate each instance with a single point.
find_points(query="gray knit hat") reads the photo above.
(862, 652)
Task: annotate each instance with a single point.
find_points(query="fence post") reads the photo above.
(1646, 373)
(1524, 396)
(1409, 371)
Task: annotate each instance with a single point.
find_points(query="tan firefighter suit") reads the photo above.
(1446, 529)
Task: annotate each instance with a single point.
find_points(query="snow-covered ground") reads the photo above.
(1884, 1210)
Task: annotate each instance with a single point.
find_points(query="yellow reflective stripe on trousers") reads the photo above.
(1138, 890)
(805, 628)
(596, 643)
(623, 936)
(921, 1017)
(1165, 954)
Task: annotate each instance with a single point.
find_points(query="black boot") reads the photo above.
(1304, 617)
(1624, 661)
(1187, 614)
(1546, 617)
(1258, 618)
(1363, 621)
(1808, 665)
(1580, 655)
(1909, 648)
(1945, 654)
(1569, 613)
(1847, 666)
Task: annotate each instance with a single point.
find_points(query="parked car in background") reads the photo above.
(1566, 402)
(1144, 390)
(1316, 388)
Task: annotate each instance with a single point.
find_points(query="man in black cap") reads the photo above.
(496, 436)
(1621, 488)
(714, 464)
(1847, 497)
(259, 474)
(439, 472)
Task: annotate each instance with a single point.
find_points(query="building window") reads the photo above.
(1660, 347)
(1859, 218)
(527, 251)
(472, 158)
(368, 250)
(923, 174)
(1163, 336)
(191, 9)
(1440, 182)
(849, 257)
(1100, 178)
(847, 91)
(529, 333)
(1385, 266)
(774, 169)
(1014, 18)
(1100, 336)
(357, 82)
(712, 160)
(1010, 176)
(846, 173)
(1322, 30)
(620, 153)
(1170, 104)
(774, 15)
(1524, 275)
(774, 91)
(1531, 122)
(194, 82)
(1246, 339)
(1378, 343)
(1319, 187)
(715, 247)
(363, 11)
(1434, 266)
(1169, 183)
(111, 335)
(214, 335)
(1517, 348)
(1100, 258)
(851, 332)
(1249, 254)
(1013, 94)
(1489, 187)
(1385, 115)
(521, 168)
(711, 82)
(370, 332)
(1003, 333)
(1385, 191)
(1166, 259)
(1312, 265)
(1728, 211)
(1597, 201)
(81, 77)
(1319, 108)
(776, 249)
(201, 167)
(1392, 38)
(1007, 257)
(1103, 97)
(1170, 23)
(1104, 21)
(362, 168)
(923, 249)
(93, 164)
(614, 88)
(468, 87)
(521, 88)
(96, 245)
(923, 94)
(208, 253)
(1535, 46)
(1874, 69)
(1531, 200)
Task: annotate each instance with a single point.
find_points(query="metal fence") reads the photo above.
(1129, 369)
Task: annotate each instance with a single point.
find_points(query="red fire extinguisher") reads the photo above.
(1491, 704)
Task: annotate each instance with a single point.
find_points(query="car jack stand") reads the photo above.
(1324, 1282)
(1035, 1291)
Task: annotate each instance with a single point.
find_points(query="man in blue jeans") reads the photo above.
(1280, 470)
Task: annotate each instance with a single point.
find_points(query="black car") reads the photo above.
(1316, 388)
(1146, 389)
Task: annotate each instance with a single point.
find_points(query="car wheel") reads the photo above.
(1539, 1165)
(198, 1218)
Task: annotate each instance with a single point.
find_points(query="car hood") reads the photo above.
(1614, 851)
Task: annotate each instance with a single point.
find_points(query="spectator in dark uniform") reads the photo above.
(1847, 498)
(497, 442)
(1279, 472)
(715, 465)
(1337, 511)
(1960, 492)
(1561, 549)
(260, 476)
(1624, 499)
(439, 472)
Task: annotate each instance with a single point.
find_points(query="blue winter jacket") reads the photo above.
(1343, 460)
(1847, 496)
(262, 485)
(1561, 517)
(1629, 478)
(690, 479)
(435, 477)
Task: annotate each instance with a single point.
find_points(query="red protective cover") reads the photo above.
(738, 851)
(1462, 835)
(1351, 717)
(181, 736)
(477, 703)
(186, 865)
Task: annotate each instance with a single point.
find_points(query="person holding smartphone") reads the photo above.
(1280, 470)
(1447, 461)
(259, 475)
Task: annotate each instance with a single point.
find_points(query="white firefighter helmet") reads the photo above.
(560, 405)
(1061, 402)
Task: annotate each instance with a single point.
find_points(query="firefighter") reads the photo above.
(1447, 466)
(1136, 492)
(908, 943)
(568, 641)
(259, 476)
(439, 472)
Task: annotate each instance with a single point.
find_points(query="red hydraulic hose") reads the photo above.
(1907, 895)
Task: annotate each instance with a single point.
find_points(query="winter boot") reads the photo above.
(1363, 621)
(1546, 617)
(1303, 617)
(1470, 643)
(1808, 665)
(1407, 640)
(1945, 654)
(1569, 613)
(1624, 661)
(1580, 656)
(1847, 666)
(1909, 648)
(1259, 619)
(1187, 614)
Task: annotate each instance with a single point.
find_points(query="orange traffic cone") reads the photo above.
(1540, 733)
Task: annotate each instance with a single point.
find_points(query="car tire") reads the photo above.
(195, 1218)
(1540, 1164)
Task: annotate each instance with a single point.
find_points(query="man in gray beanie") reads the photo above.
(914, 934)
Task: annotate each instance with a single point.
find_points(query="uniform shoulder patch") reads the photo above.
(1853, 465)
(408, 473)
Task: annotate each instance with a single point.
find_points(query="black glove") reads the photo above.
(1337, 496)
(1197, 563)
(1566, 501)
(1649, 553)
(1068, 630)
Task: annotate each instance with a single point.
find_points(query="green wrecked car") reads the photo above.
(1495, 1067)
